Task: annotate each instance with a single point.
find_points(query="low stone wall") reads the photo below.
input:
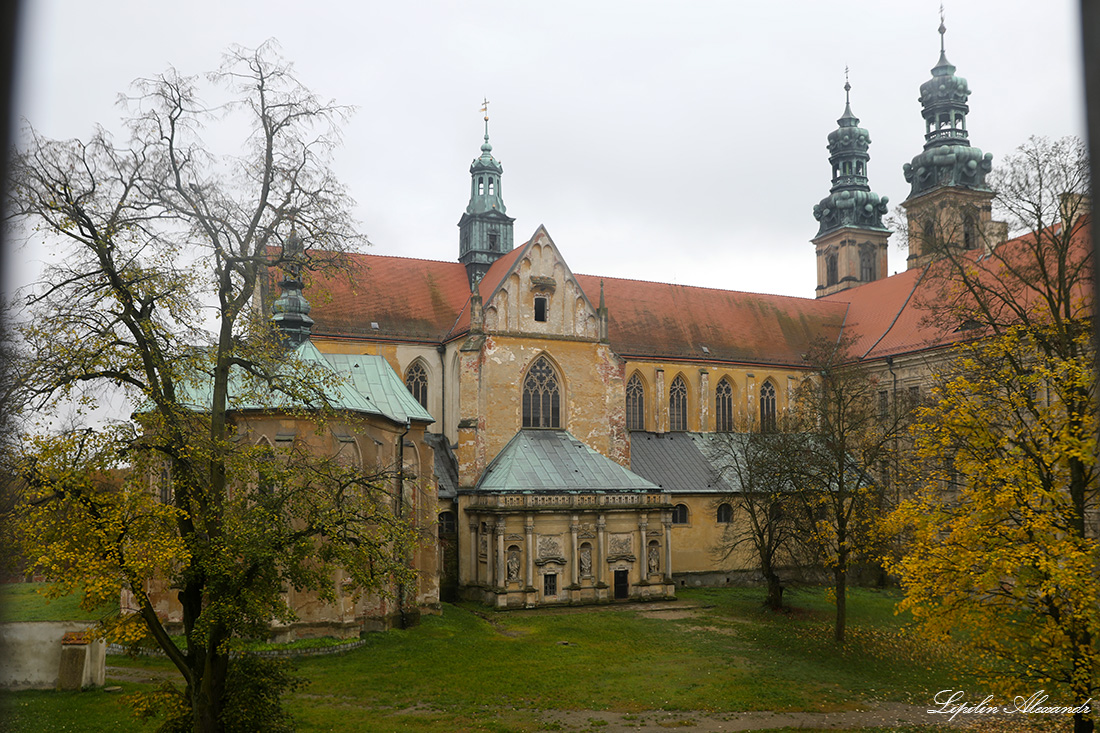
(320, 651)
(33, 657)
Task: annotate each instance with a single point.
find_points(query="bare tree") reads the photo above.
(764, 511)
(163, 247)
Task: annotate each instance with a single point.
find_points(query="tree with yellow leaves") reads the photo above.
(1002, 530)
(157, 234)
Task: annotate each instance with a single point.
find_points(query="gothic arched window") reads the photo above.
(635, 404)
(723, 407)
(677, 405)
(416, 379)
(541, 396)
(767, 407)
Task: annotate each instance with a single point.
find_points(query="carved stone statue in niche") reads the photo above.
(654, 559)
(586, 561)
(513, 564)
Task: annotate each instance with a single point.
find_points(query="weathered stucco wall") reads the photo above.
(30, 655)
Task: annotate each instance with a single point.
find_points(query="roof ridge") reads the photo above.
(700, 287)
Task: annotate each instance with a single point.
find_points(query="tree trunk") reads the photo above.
(841, 588)
(774, 600)
(1081, 724)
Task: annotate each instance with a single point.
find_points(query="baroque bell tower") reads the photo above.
(851, 241)
(485, 230)
(949, 204)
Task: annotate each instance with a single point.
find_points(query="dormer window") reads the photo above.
(540, 309)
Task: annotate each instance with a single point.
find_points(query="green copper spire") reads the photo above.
(850, 202)
(291, 311)
(948, 159)
(485, 230)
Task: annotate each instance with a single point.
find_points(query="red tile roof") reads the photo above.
(410, 300)
(653, 320)
(903, 313)
(428, 301)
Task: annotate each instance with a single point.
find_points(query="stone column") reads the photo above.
(489, 550)
(667, 522)
(475, 553)
(529, 529)
(601, 550)
(499, 561)
(574, 558)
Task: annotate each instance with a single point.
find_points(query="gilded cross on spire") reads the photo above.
(847, 86)
(485, 107)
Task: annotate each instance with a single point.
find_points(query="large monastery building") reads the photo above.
(572, 413)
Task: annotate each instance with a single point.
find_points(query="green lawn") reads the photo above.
(27, 602)
(475, 670)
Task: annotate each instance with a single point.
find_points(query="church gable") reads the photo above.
(539, 295)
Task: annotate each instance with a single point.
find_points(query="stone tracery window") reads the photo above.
(635, 404)
(723, 407)
(416, 380)
(677, 405)
(541, 396)
(767, 407)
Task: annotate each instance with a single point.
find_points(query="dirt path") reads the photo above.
(884, 715)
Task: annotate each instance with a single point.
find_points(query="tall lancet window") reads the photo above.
(635, 404)
(723, 407)
(541, 396)
(677, 405)
(767, 407)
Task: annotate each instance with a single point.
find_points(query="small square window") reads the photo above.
(540, 310)
(550, 584)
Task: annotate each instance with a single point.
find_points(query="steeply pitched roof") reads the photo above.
(409, 300)
(647, 319)
(898, 314)
(555, 461)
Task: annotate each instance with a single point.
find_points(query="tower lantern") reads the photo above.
(851, 239)
(485, 230)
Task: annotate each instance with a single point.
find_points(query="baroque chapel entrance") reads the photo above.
(622, 584)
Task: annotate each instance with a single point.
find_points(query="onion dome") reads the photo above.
(850, 202)
(948, 158)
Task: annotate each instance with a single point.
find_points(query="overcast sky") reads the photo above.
(669, 141)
